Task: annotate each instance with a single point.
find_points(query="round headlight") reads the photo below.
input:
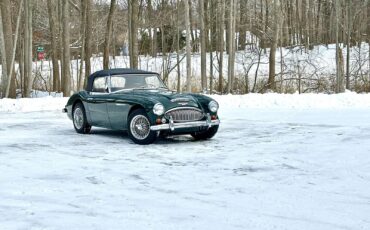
(158, 109)
(213, 106)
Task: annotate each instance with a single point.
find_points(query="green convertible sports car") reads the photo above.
(139, 102)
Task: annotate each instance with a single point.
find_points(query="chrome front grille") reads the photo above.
(185, 114)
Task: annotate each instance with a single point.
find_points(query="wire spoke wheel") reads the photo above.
(78, 118)
(140, 127)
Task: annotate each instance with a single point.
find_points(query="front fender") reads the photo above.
(80, 96)
(204, 101)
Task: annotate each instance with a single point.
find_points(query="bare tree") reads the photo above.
(52, 8)
(231, 35)
(243, 23)
(203, 53)
(151, 16)
(348, 42)
(133, 30)
(80, 76)
(8, 41)
(108, 34)
(221, 32)
(272, 57)
(368, 34)
(14, 48)
(338, 53)
(4, 71)
(178, 34)
(188, 46)
(28, 47)
(88, 37)
(66, 87)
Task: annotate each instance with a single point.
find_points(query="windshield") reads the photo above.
(135, 81)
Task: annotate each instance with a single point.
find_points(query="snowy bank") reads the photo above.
(263, 101)
(295, 101)
(32, 104)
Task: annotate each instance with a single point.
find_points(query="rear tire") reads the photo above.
(204, 135)
(139, 128)
(79, 119)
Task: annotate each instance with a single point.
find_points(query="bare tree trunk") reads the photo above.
(54, 44)
(338, 53)
(153, 44)
(178, 48)
(191, 19)
(243, 23)
(8, 41)
(266, 25)
(188, 46)
(212, 28)
(228, 7)
(133, 21)
(66, 87)
(28, 47)
(164, 55)
(60, 41)
(88, 37)
(348, 42)
(21, 64)
(231, 34)
(14, 48)
(221, 44)
(80, 78)
(203, 58)
(271, 80)
(108, 34)
(129, 15)
(368, 35)
(4, 71)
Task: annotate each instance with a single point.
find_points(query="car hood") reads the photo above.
(169, 99)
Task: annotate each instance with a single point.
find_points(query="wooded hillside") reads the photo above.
(223, 33)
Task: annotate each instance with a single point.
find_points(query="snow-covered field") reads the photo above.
(278, 162)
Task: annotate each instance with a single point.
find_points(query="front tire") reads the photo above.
(139, 128)
(204, 135)
(79, 119)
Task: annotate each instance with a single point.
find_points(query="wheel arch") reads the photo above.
(135, 107)
(78, 100)
(147, 108)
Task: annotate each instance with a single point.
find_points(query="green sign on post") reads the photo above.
(40, 49)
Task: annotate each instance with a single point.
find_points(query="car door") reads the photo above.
(97, 103)
(117, 105)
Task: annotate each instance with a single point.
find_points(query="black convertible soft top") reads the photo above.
(109, 72)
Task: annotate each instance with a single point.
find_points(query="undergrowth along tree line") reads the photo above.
(232, 39)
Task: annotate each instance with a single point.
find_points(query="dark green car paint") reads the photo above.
(111, 110)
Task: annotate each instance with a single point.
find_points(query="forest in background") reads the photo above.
(248, 33)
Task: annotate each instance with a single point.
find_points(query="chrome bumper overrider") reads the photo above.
(172, 126)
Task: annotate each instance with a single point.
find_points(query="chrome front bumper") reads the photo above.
(173, 126)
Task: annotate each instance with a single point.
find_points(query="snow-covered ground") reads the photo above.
(278, 162)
